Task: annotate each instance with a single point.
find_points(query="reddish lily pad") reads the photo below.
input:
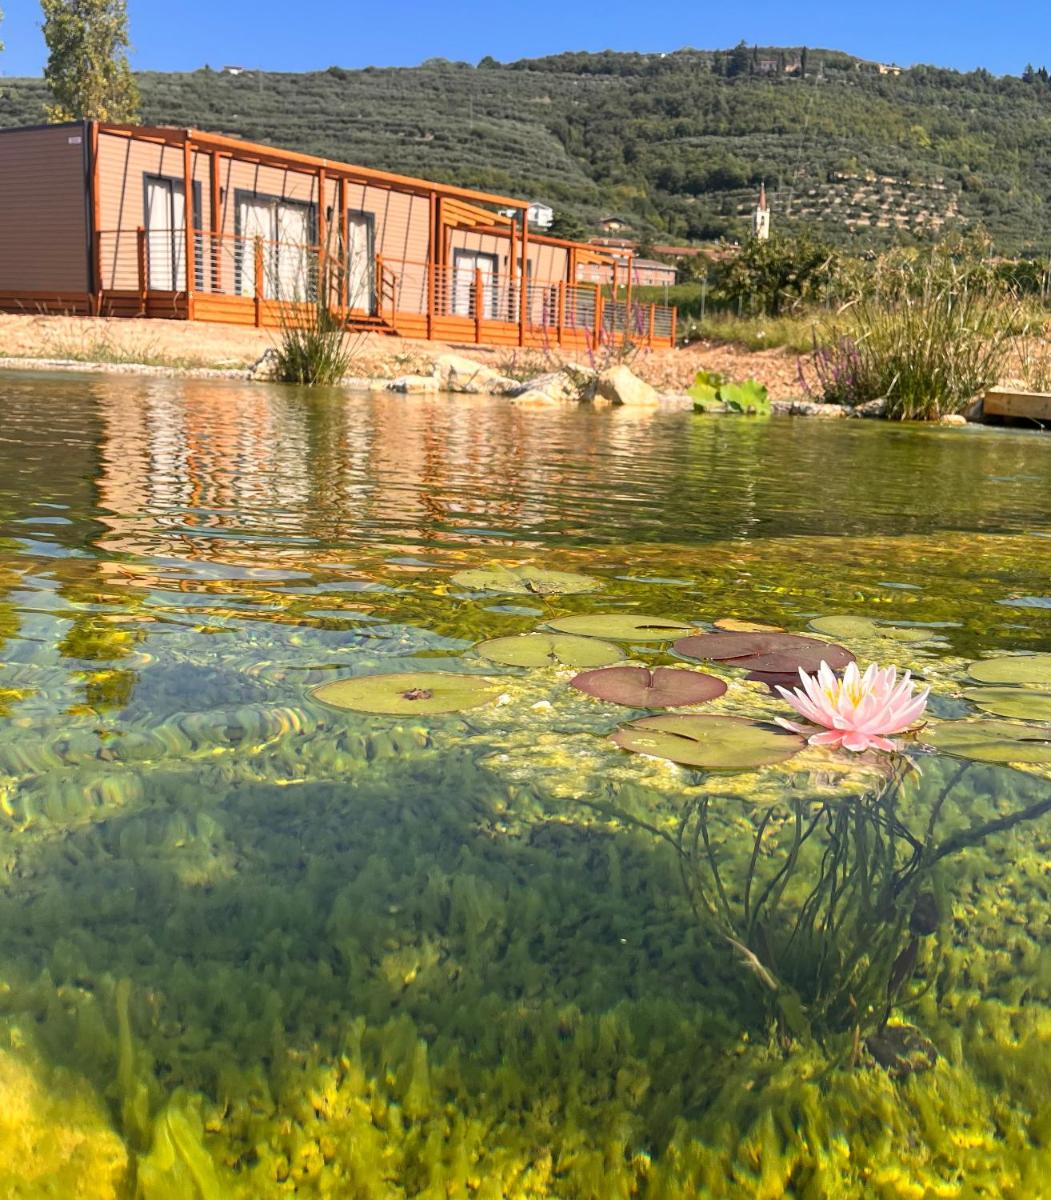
(768, 653)
(639, 687)
(710, 743)
(408, 693)
(622, 627)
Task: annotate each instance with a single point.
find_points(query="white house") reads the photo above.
(541, 216)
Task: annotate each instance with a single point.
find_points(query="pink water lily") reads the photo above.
(857, 711)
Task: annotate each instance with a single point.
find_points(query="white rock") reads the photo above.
(414, 383)
(621, 385)
(459, 374)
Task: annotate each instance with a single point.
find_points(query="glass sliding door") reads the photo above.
(166, 234)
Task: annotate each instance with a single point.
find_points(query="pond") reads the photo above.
(255, 945)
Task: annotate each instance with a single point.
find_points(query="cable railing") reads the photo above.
(363, 287)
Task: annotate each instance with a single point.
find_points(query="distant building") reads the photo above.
(542, 216)
(761, 216)
(613, 224)
(644, 272)
(234, 70)
(888, 69)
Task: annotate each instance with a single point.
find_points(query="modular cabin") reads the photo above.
(94, 217)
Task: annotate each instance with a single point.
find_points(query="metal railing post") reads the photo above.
(478, 302)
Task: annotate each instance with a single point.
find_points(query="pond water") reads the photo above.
(252, 945)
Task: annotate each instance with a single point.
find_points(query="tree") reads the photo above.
(87, 68)
(803, 64)
(740, 60)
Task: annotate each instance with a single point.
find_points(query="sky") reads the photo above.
(274, 35)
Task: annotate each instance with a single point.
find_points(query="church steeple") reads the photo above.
(761, 216)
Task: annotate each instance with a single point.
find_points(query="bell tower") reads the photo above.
(761, 216)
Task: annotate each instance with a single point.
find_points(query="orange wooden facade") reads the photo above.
(427, 260)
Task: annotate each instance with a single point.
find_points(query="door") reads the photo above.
(469, 264)
(361, 262)
(255, 223)
(284, 228)
(166, 234)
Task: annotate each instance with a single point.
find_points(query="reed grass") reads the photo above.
(313, 345)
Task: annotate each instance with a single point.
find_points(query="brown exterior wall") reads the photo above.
(43, 211)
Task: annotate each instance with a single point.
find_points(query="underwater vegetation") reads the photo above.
(257, 942)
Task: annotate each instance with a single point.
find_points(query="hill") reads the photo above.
(674, 143)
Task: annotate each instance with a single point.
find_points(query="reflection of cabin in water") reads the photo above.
(94, 217)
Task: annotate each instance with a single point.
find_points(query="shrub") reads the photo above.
(313, 345)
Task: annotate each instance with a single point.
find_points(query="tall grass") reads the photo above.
(924, 351)
(313, 345)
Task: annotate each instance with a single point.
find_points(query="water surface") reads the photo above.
(273, 947)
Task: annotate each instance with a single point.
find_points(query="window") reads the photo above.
(287, 231)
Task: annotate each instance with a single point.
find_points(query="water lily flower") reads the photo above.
(857, 711)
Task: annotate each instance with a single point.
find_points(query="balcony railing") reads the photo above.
(366, 289)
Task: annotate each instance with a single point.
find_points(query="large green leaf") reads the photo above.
(991, 741)
(711, 743)
(526, 580)
(639, 687)
(746, 397)
(767, 653)
(411, 693)
(1027, 704)
(622, 627)
(549, 650)
(1018, 668)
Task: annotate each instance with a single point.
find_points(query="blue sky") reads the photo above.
(317, 34)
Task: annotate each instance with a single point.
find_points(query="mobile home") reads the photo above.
(153, 221)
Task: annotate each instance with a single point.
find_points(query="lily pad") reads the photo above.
(737, 625)
(991, 741)
(549, 650)
(639, 687)
(711, 743)
(767, 653)
(530, 581)
(1017, 668)
(1027, 704)
(410, 693)
(845, 625)
(622, 627)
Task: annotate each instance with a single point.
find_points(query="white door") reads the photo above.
(166, 234)
(293, 252)
(467, 264)
(255, 220)
(359, 262)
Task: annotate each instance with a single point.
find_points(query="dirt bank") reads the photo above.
(186, 345)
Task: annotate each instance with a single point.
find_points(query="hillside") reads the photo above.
(674, 143)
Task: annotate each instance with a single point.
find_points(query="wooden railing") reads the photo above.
(152, 263)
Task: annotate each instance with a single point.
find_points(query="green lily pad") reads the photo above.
(622, 627)
(991, 741)
(712, 743)
(770, 653)
(1017, 668)
(845, 625)
(409, 693)
(639, 687)
(549, 650)
(1027, 704)
(530, 581)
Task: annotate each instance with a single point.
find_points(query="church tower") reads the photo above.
(761, 216)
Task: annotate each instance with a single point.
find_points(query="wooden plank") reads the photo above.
(96, 215)
(1008, 402)
(188, 219)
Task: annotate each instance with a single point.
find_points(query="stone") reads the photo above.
(571, 383)
(459, 374)
(265, 366)
(807, 408)
(415, 384)
(952, 419)
(871, 408)
(621, 385)
(535, 398)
